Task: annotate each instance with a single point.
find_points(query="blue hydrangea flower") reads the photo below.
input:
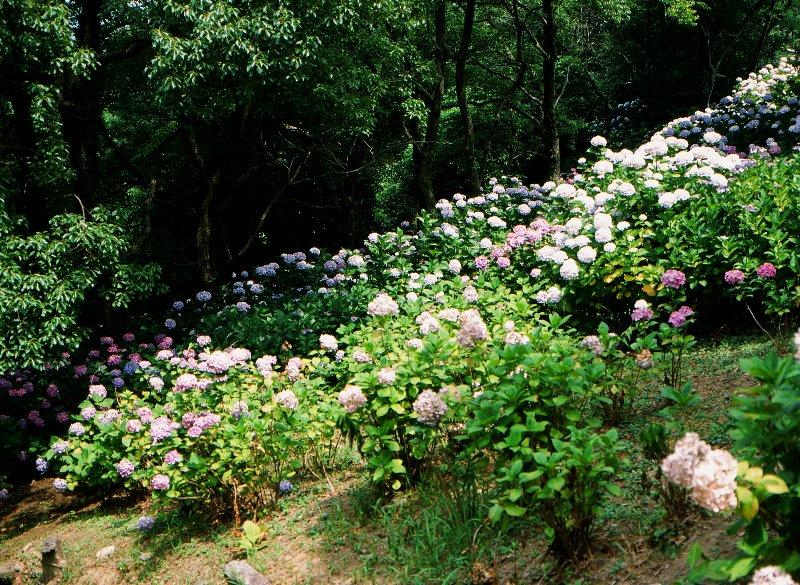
(178, 305)
(203, 296)
(131, 367)
(170, 323)
(285, 486)
(145, 523)
(41, 465)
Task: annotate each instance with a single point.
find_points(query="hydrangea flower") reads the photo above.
(766, 270)
(382, 306)
(429, 407)
(60, 447)
(145, 523)
(772, 575)
(734, 277)
(173, 457)
(387, 376)
(673, 278)
(352, 398)
(285, 486)
(287, 399)
(328, 342)
(472, 328)
(160, 482)
(125, 468)
(60, 484)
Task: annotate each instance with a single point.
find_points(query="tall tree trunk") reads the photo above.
(425, 143)
(473, 182)
(552, 151)
(205, 267)
(203, 235)
(360, 206)
(81, 110)
(30, 199)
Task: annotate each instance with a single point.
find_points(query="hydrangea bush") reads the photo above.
(450, 338)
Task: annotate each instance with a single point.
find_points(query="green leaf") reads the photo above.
(514, 510)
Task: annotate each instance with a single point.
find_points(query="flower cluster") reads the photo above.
(709, 473)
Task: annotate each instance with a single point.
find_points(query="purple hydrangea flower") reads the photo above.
(673, 278)
(285, 486)
(160, 482)
(766, 270)
(60, 484)
(60, 447)
(734, 277)
(173, 457)
(41, 465)
(145, 523)
(125, 468)
(642, 314)
(76, 429)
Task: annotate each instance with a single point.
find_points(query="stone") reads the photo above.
(106, 552)
(145, 556)
(53, 559)
(9, 572)
(241, 572)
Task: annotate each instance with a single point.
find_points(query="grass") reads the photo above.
(336, 530)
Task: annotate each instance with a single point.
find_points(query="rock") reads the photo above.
(241, 572)
(106, 552)
(53, 559)
(145, 556)
(9, 572)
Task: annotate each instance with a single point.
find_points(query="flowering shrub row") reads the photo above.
(447, 342)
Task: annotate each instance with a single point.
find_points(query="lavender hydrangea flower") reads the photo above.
(429, 407)
(125, 468)
(173, 457)
(239, 409)
(76, 429)
(203, 296)
(41, 465)
(160, 482)
(673, 278)
(161, 428)
(145, 523)
(60, 447)
(60, 484)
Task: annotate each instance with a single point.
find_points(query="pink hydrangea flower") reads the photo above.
(766, 270)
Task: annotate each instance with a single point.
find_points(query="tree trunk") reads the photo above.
(425, 145)
(81, 110)
(30, 199)
(360, 198)
(552, 151)
(473, 182)
(203, 241)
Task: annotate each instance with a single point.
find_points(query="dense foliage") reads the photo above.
(450, 349)
(497, 336)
